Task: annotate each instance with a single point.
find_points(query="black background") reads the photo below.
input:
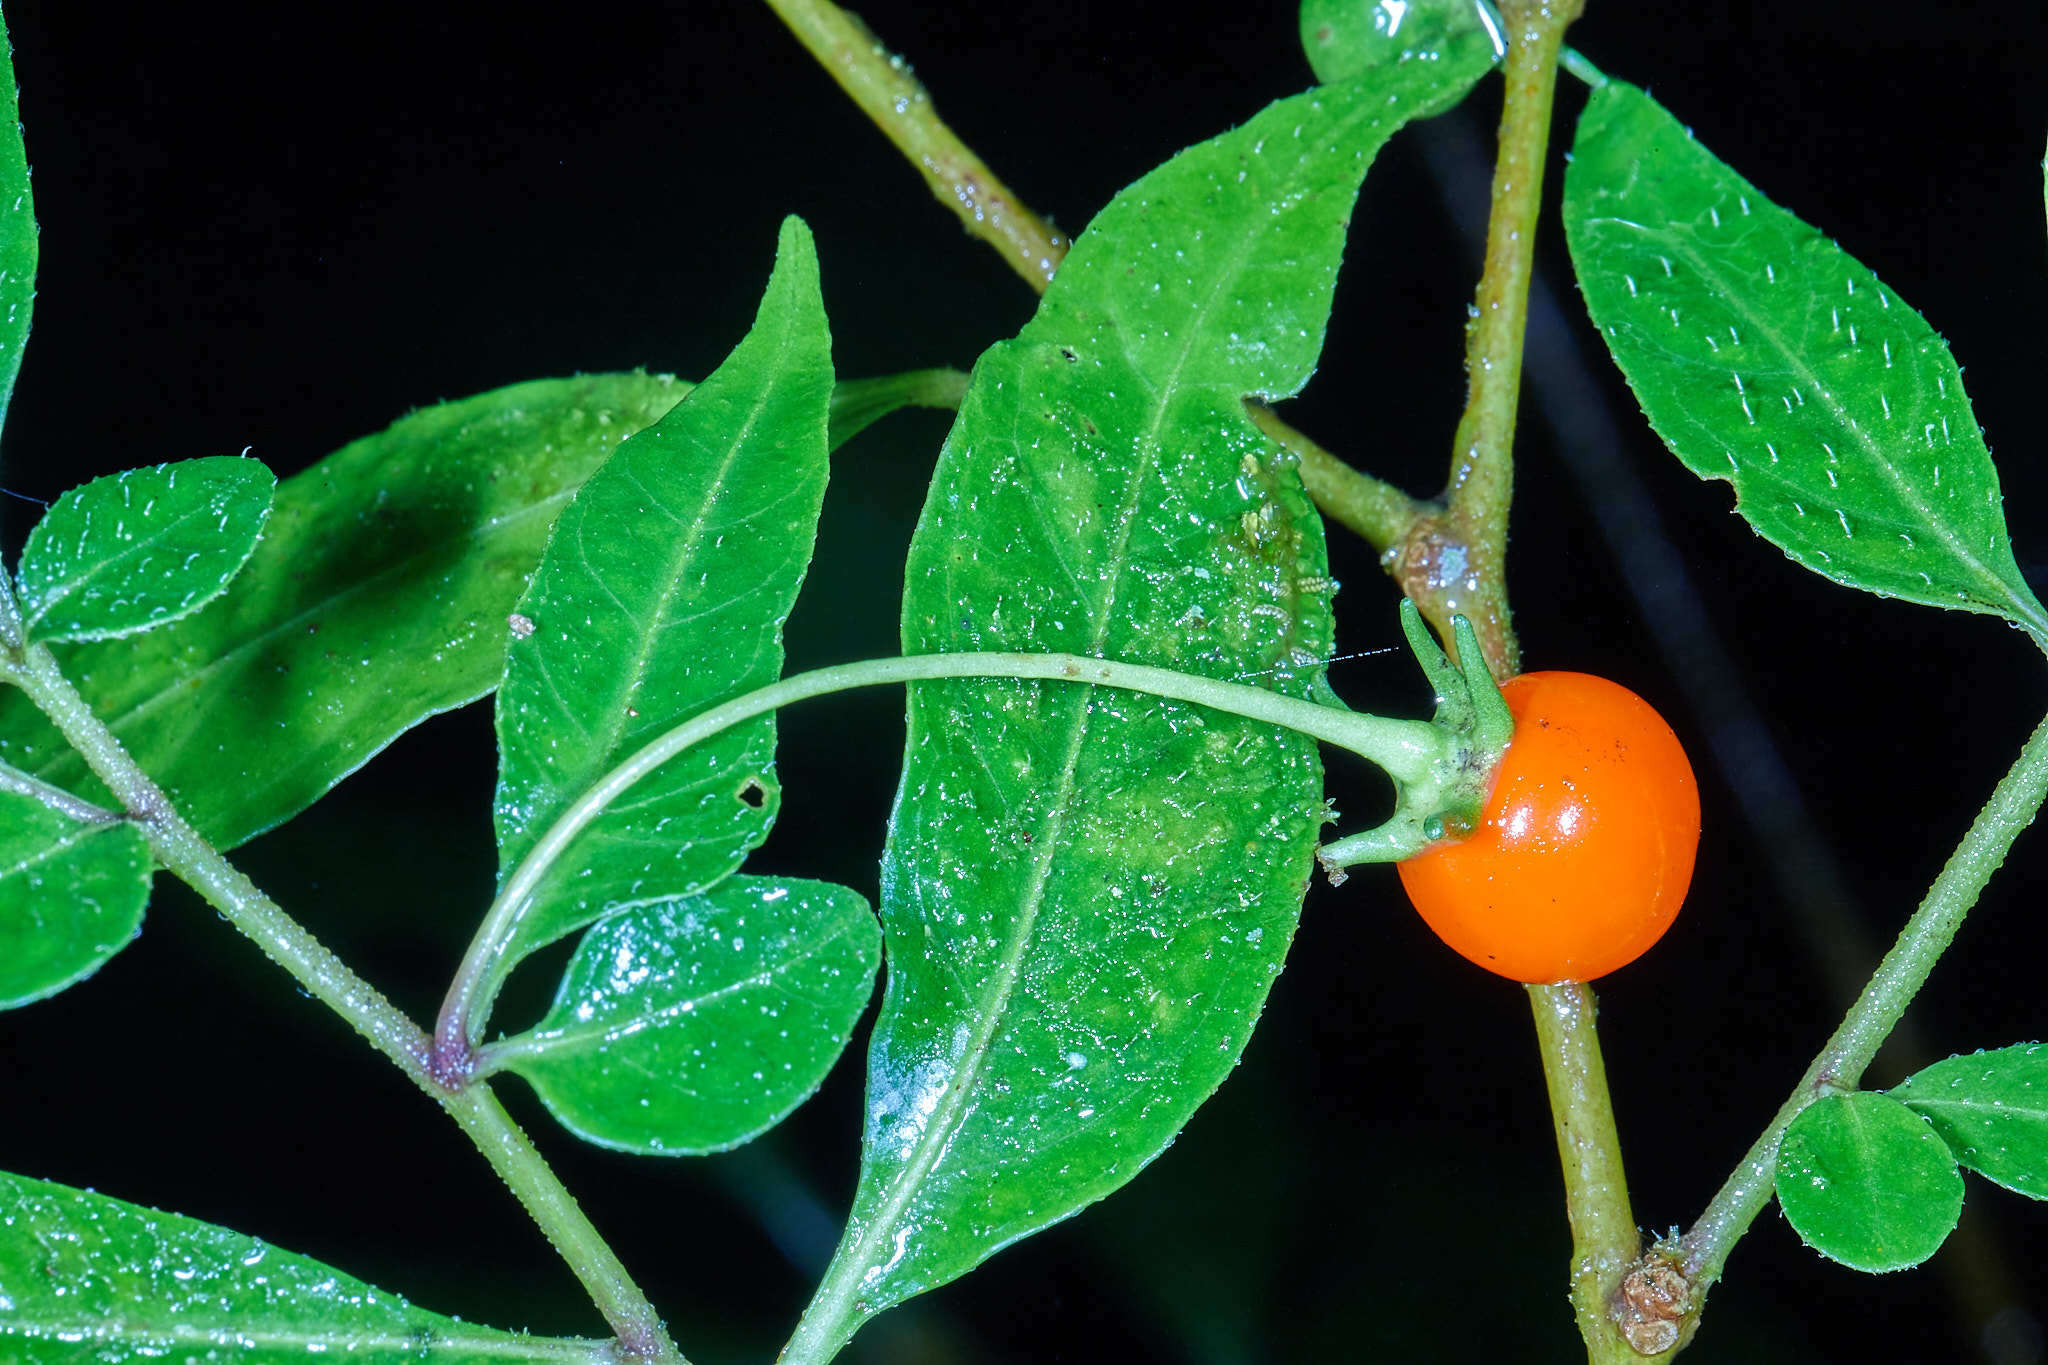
(280, 227)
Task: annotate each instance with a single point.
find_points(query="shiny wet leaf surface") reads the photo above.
(1767, 356)
(17, 232)
(1992, 1110)
(1346, 38)
(137, 549)
(692, 1025)
(377, 597)
(71, 896)
(1867, 1182)
(1086, 895)
(662, 592)
(88, 1280)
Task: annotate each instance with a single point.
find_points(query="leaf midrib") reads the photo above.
(104, 569)
(561, 1044)
(1681, 245)
(184, 682)
(936, 1134)
(468, 1340)
(613, 724)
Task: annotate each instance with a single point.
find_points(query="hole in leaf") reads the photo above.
(754, 793)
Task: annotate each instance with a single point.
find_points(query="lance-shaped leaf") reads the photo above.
(1086, 894)
(1347, 38)
(17, 231)
(692, 1025)
(85, 1279)
(1865, 1181)
(71, 896)
(1992, 1110)
(663, 591)
(376, 598)
(1767, 356)
(141, 548)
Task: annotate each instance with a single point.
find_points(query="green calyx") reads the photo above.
(1444, 797)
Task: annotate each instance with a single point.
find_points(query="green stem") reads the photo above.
(188, 855)
(882, 86)
(1604, 1238)
(1841, 1063)
(1375, 510)
(1457, 562)
(858, 403)
(1410, 751)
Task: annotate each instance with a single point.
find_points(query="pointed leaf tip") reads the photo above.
(662, 592)
(1086, 897)
(1765, 355)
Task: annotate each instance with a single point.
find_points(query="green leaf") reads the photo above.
(1865, 1181)
(17, 231)
(85, 1280)
(377, 597)
(1767, 356)
(692, 1025)
(71, 896)
(1346, 38)
(1992, 1110)
(141, 548)
(662, 592)
(1087, 894)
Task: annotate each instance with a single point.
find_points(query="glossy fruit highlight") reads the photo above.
(1586, 846)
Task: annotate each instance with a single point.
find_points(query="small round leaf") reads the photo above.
(1865, 1181)
(136, 549)
(1992, 1110)
(694, 1024)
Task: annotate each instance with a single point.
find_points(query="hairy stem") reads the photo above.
(1604, 1238)
(1457, 562)
(886, 91)
(882, 85)
(188, 855)
(1373, 509)
(1840, 1065)
(1409, 750)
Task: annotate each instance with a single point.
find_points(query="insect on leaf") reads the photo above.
(1767, 356)
(1086, 895)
